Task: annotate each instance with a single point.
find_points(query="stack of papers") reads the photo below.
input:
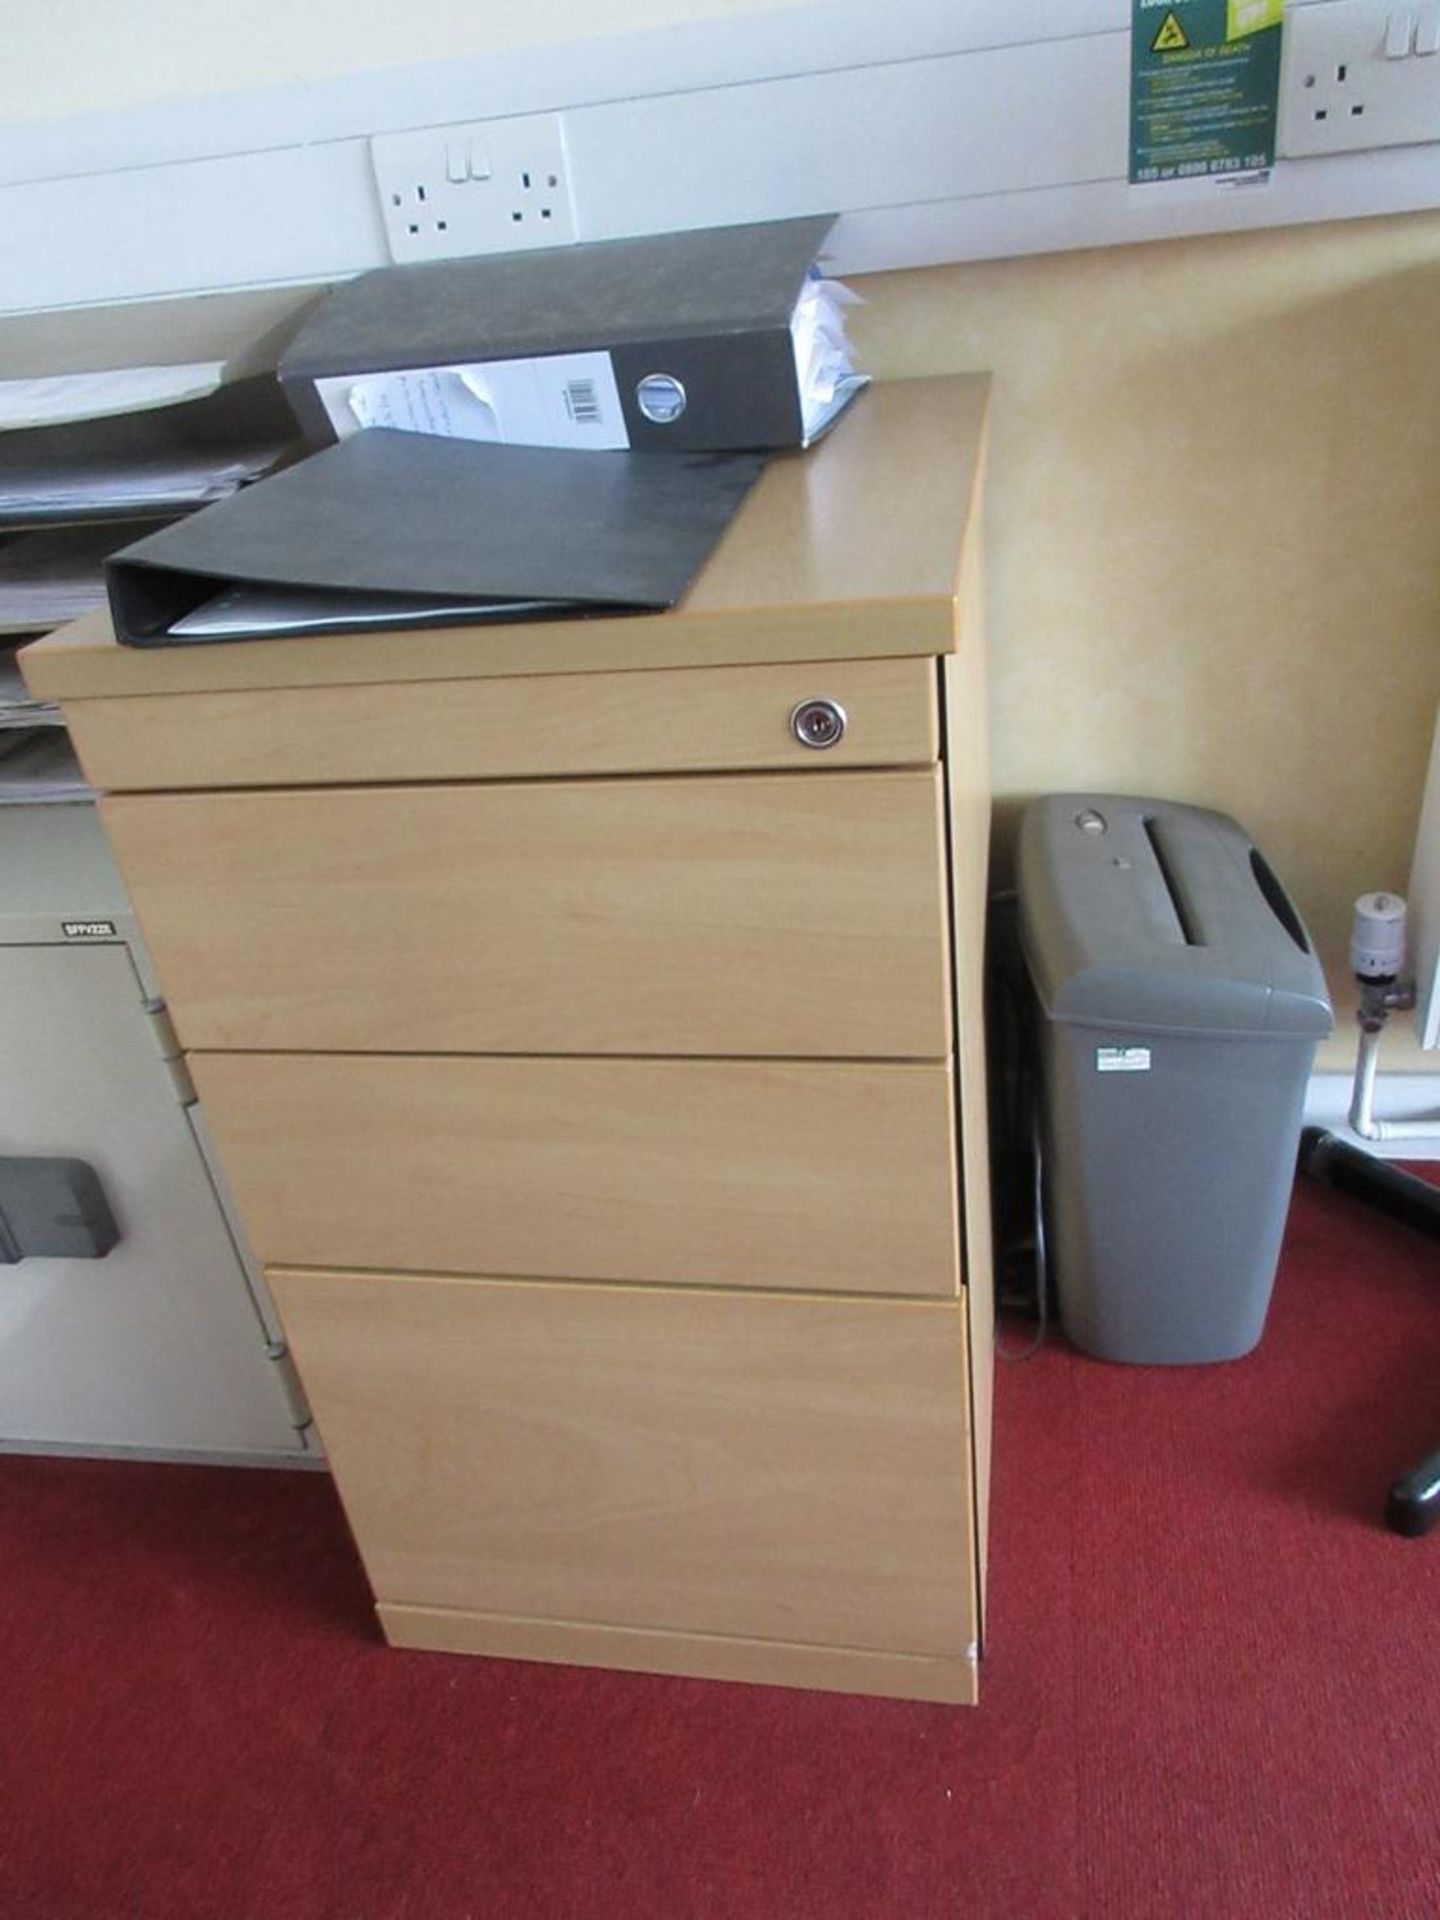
(825, 373)
(17, 707)
(49, 578)
(40, 767)
(135, 441)
(157, 483)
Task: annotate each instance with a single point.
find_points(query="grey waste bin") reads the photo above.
(1180, 1003)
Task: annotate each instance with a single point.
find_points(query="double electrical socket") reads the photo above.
(489, 186)
(1359, 73)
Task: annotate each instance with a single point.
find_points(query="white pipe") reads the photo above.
(1362, 1117)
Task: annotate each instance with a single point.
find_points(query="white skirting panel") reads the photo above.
(1398, 1097)
(1425, 907)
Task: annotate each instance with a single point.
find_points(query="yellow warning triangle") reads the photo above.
(1171, 37)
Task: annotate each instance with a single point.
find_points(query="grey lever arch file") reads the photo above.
(407, 529)
(696, 328)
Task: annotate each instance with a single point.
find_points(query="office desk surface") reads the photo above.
(836, 553)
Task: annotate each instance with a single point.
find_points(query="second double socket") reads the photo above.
(1357, 74)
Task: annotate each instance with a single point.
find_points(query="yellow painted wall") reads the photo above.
(1214, 526)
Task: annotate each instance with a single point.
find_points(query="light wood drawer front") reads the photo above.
(727, 718)
(768, 914)
(835, 1177)
(778, 1467)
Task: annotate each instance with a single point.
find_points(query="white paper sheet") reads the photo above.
(252, 612)
(823, 366)
(557, 400)
(53, 399)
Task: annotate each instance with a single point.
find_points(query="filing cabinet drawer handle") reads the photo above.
(818, 723)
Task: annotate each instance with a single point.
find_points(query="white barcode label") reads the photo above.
(1122, 1059)
(582, 403)
(561, 400)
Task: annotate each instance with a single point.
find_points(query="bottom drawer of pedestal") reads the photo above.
(951, 1678)
(762, 1467)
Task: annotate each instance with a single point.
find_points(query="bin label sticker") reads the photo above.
(1122, 1059)
(1204, 87)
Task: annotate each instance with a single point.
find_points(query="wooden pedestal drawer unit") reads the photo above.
(588, 1015)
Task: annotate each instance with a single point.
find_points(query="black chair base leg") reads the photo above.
(1414, 1503)
(1413, 1507)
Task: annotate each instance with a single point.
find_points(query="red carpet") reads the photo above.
(1213, 1686)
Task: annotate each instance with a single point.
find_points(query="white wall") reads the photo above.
(64, 57)
(181, 148)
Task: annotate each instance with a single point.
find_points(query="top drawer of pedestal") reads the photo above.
(765, 914)
(861, 713)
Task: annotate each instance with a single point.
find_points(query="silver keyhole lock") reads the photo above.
(818, 723)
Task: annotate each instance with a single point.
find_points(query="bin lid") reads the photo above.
(1158, 917)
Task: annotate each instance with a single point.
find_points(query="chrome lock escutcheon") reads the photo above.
(818, 723)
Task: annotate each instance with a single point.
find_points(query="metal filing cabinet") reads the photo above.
(166, 1344)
